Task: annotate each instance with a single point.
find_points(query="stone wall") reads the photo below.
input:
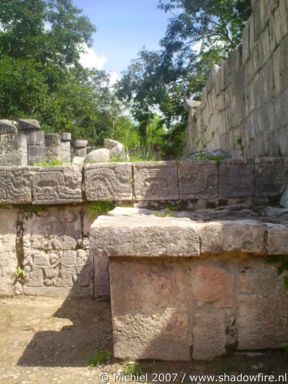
(244, 103)
(46, 212)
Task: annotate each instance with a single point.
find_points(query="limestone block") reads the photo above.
(271, 176)
(277, 239)
(80, 148)
(155, 180)
(209, 336)
(198, 179)
(15, 185)
(65, 151)
(53, 146)
(144, 236)
(65, 136)
(56, 185)
(8, 256)
(150, 314)
(212, 283)
(101, 277)
(35, 138)
(245, 236)
(13, 147)
(27, 124)
(263, 308)
(108, 182)
(98, 156)
(236, 178)
(117, 150)
(36, 154)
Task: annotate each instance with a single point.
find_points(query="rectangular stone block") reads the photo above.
(149, 305)
(57, 185)
(8, 256)
(263, 308)
(108, 182)
(209, 336)
(277, 239)
(13, 146)
(236, 178)
(15, 185)
(155, 180)
(271, 176)
(198, 179)
(144, 236)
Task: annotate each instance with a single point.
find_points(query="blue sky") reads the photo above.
(123, 28)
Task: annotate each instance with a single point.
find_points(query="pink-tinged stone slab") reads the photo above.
(198, 179)
(108, 182)
(149, 304)
(156, 180)
(57, 185)
(236, 178)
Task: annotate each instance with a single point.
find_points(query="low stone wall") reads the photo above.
(182, 181)
(46, 213)
(184, 288)
(244, 103)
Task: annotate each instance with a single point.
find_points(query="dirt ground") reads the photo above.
(51, 340)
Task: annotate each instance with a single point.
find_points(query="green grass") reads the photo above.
(101, 357)
(131, 369)
(99, 208)
(53, 163)
(20, 273)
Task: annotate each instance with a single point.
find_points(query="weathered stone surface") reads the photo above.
(65, 151)
(8, 256)
(198, 179)
(245, 236)
(150, 317)
(212, 283)
(271, 176)
(108, 182)
(144, 236)
(80, 148)
(263, 308)
(15, 185)
(13, 147)
(117, 150)
(55, 261)
(236, 178)
(284, 198)
(66, 136)
(209, 336)
(36, 154)
(56, 185)
(53, 146)
(26, 124)
(98, 156)
(101, 277)
(277, 239)
(155, 180)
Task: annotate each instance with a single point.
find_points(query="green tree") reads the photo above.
(200, 33)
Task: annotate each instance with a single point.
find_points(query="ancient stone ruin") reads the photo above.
(179, 247)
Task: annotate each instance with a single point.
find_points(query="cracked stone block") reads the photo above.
(149, 306)
(156, 180)
(209, 336)
(57, 185)
(271, 175)
(263, 307)
(277, 239)
(108, 182)
(15, 185)
(198, 179)
(236, 178)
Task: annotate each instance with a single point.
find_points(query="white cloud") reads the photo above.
(114, 77)
(89, 58)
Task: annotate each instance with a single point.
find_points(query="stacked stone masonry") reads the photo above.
(183, 181)
(193, 290)
(244, 102)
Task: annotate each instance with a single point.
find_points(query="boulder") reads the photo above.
(98, 156)
(117, 150)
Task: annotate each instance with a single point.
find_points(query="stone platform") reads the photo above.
(195, 285)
